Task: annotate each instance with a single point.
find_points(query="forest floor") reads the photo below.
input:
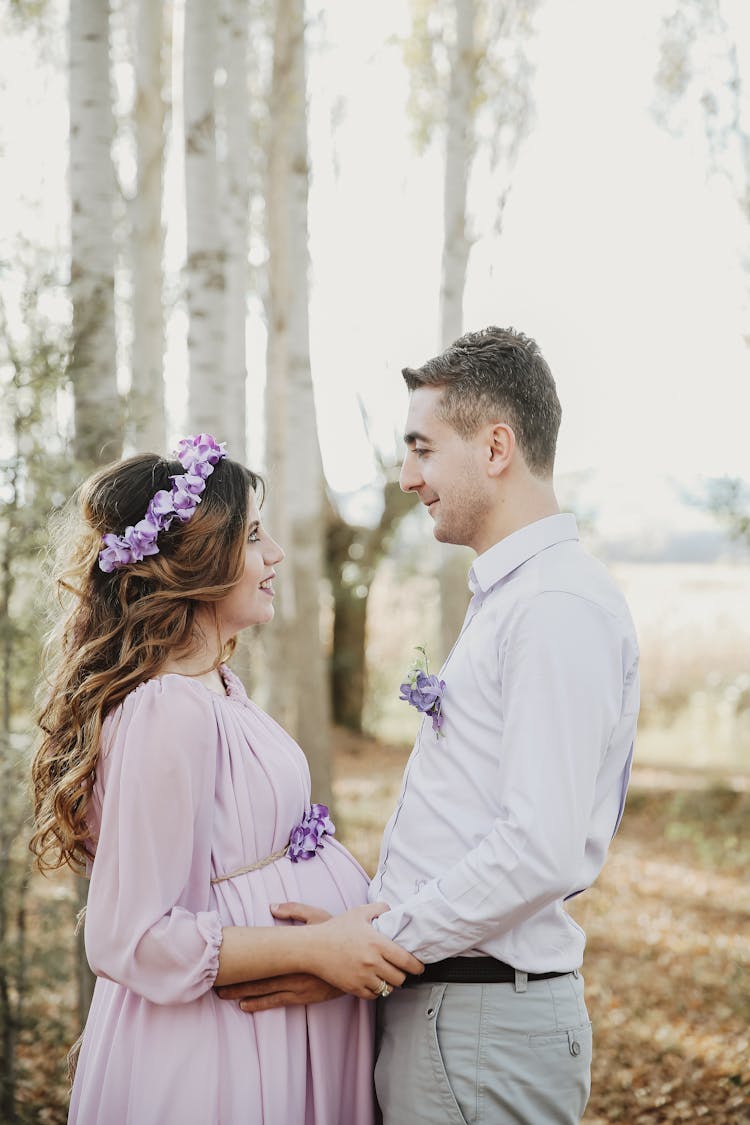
(667, 963)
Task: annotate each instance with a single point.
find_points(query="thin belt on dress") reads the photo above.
(471, 970)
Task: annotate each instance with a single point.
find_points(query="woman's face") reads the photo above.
(250, 602)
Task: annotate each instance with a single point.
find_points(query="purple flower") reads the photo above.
(161, 509)
(142, 539)
(115, 553)
(307, 837)
(186, 492)
(425, 692)
(198, 451)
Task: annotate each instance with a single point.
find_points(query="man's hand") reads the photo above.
(279, 992)
(292, 988)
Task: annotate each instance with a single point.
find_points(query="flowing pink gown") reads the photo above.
(192, 785)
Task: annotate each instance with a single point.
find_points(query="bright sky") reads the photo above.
(617, 253)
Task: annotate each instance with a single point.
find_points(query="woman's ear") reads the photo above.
(501, 448)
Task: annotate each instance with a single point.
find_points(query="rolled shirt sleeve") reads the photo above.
(560, 669)
(148, 922)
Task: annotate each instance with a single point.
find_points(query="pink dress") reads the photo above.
(192, 785)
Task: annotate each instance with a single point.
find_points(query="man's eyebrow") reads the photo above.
(414, 436)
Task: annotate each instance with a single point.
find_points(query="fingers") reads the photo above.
(299, 912)
(374, 910)
(266, 1003)
(248, 988)
(401, 959)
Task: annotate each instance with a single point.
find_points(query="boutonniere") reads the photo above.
(423, 691)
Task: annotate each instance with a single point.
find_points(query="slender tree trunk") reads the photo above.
(297, 485)
(235, 28)
(98, 422)
(459, 151)
(205, 243)
(147, 389)
(353, 556)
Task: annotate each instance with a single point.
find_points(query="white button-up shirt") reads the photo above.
(511, 809)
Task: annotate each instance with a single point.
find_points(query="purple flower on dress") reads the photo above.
(423, 691)
(307, 838)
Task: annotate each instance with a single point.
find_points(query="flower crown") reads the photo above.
(198, 455)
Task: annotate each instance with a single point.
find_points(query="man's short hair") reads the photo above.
(497, 375)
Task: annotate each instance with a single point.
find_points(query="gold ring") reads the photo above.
(384, 989)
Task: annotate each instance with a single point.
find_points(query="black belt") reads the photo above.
(471, 970)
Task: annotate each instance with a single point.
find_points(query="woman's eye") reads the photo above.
(254, 536)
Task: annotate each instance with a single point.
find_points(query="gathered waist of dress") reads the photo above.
(305, 841)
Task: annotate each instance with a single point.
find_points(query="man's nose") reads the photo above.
(409, 478)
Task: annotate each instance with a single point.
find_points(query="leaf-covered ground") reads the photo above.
(668, 958)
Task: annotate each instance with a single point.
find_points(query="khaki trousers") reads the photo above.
(490, 1054)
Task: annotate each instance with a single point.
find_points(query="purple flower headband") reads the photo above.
(198, 455)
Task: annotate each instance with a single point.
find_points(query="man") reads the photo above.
(506, 811)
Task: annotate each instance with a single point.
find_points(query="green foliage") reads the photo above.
(35, 478)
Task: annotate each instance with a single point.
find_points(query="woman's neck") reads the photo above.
(198, 663)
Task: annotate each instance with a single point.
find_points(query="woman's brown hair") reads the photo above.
(117, 630)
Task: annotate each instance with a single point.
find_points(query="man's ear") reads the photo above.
(502, 446)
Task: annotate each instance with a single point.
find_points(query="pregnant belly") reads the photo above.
(332, 879)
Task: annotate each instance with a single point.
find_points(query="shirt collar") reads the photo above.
(498, 561)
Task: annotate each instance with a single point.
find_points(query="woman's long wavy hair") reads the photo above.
(118, 630)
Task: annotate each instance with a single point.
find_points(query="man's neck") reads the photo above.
(525, 506)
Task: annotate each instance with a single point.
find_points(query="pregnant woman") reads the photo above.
(191, 810)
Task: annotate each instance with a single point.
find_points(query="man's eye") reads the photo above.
(421, 452)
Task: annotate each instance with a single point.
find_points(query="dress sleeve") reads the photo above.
(148, 925)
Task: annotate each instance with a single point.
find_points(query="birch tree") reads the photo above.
(147, 387)
(236, 55)
(470, 83)
(98, 422)
(205, 265)
(459, 150)
(298, 666)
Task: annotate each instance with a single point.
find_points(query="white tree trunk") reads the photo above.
(295, 467)
(98, 421)
(147, 388)
(235, 27)
(459, 151)
(205, 242)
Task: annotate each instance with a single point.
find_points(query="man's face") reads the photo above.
(446, 471)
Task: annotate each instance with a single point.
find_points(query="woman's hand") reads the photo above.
(348, 953)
